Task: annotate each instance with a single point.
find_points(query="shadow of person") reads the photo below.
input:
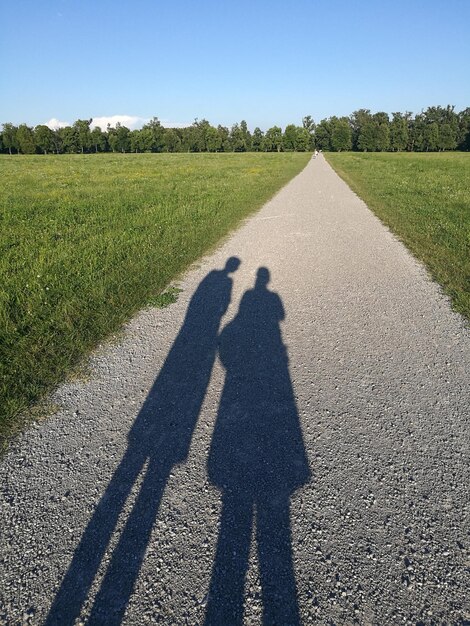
(257, 458)
(160, 438)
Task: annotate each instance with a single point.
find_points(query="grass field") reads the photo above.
(425, 200)
(86, 240)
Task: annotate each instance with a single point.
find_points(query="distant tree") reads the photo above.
(431, 136)
(172, 140)
(196, 136)
(224, 138)
(289, 138)
(212, 140)
(121, 138)
(57, 140)
(153, 134)
(257, 140)
(366, 140)
(416, 129)
(399, 132)
(303, 140)
(44, 138)
(381, 131)
(447, 137)
(9, 137)
(362, 130)
(273, 139)
(323, 135)
(98, 139)
(69, 139)
(341, 135)
(246, 134)
(238, 139)
(464, 130)
(25, 139)
(83, 135)
(309, 125)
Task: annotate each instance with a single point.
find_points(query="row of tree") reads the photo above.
(437, 128)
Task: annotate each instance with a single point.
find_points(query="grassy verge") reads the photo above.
(425, 200)
(86, 241)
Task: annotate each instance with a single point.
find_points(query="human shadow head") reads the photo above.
(262, 277)
(232, 264)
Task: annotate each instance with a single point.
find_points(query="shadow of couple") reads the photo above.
(257, 459)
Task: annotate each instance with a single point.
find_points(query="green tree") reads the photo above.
(464, 130)
(69, 139)
(289, 139)
(362, 130)
(303, 140)
(447, 137)
(224, 137)
(57, 140)
(416, 129)
(366, 140)
(341, 135)
(399, 132)
(273, 139)
(82, 131)
(153, 133)
(9, 137)
(309, 125)
(381, 131)
(25, 139)
(431, 136)
(257, 140)
(246, 134)
(196, 135)
(323, 135)
(213, 140)
(119, 139)
(44, 138)
(98, 139)
(172, 140)
(238, 139)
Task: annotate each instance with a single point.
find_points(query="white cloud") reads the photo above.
(131, 121)
(54, 123)
(168, 124)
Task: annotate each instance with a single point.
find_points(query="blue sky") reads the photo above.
(268, 62)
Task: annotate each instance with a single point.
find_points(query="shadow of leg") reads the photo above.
(90, 551)
(225, 604)
(275, 560)
(117, 586)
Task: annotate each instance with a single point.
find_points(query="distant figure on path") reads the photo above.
(257, 458)
(161, 436)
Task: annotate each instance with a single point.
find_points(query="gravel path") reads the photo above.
(309, 464)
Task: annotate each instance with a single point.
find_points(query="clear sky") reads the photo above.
(266, 61)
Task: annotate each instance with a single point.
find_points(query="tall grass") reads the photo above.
(86, 241)
(425, 200)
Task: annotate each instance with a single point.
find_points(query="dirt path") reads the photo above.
(309, 464)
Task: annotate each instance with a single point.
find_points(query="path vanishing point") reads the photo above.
(287, 444)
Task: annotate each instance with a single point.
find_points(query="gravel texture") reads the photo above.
(308, 464)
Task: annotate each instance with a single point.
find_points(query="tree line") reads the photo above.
(436, 129)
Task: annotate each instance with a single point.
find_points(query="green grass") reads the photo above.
(87, 240)
(425, 200)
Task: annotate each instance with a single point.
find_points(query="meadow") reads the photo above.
(424, 198)
(88, 240)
